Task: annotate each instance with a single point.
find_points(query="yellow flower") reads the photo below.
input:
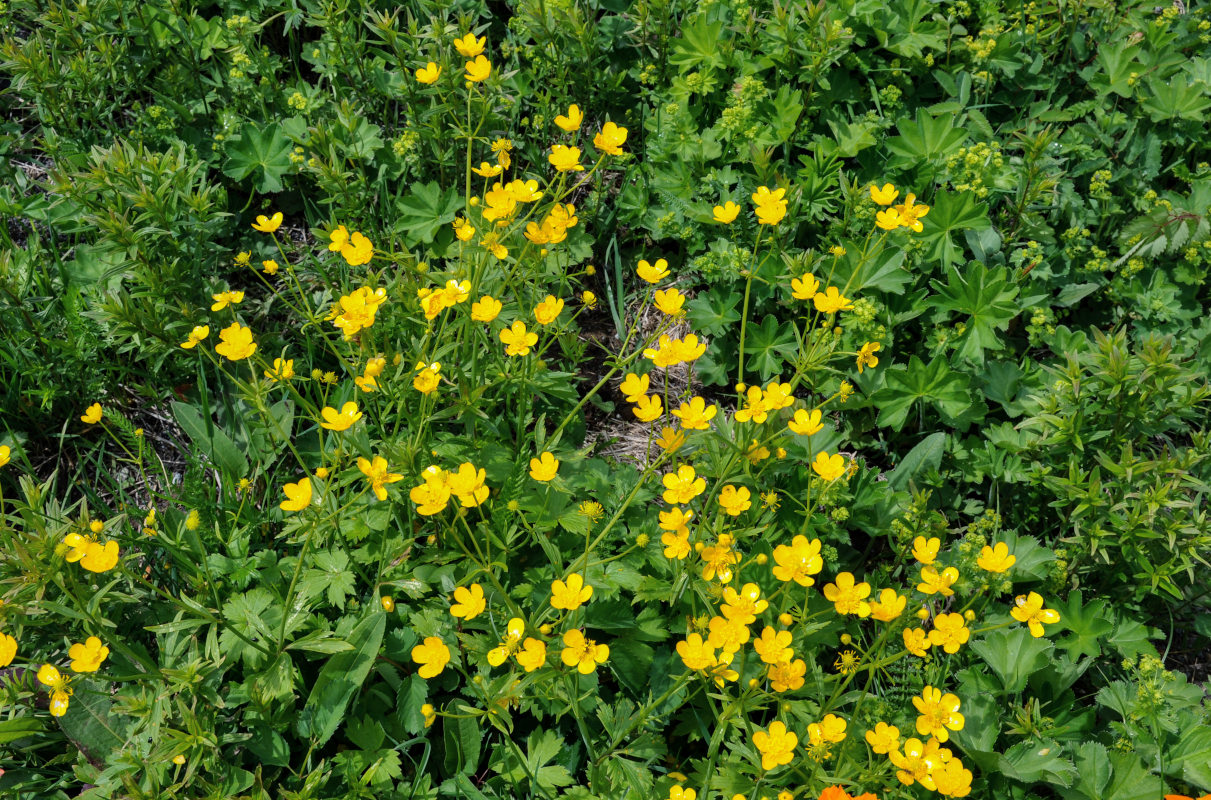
(196, 335)
(387, 602)
(830, 301)
(805, 288)
(918, 642)
(298, 495)
(996, 559)
(338, 238)
(670, 439)
(428, 377)
(680, 793)
(266, 224)
(479, 69)
(565, 159)
(429, 713)
(806, 423)
(718, 559)
(242, 259)
(949, 632)
(866, 356)
(787, 676)
(269, 267)
(223, 299)
(952, 779)
(634, 387)
(683, 485)
(544, 467)
(59, 686)
(848, 597)
(696, 415)
(884, 738)
(87, 657)
(910, 215)
(486, 170)
(888, 219)
(829, 468)
(798, 561)
(610, 139)
(770, 206)
(588, 299)
(695, 653)
(744, 605)
(235, 342)
(572, 121)
(773, 646)
(829, 730)
(926, 550)
(533, 654)
(889, 606)
(515, 629)
(571, 595)
(8, 649)
(486, 309)
(669, 302)
(517, 341)
(467, 484)
(283, 369)
(548, 310)
(939, 713)
(432, 655)
(676, 545)
(653, 273)
(432, 495)
(726, 214)
(648, 408)
(469, 46)
(429, 73)
(469, 602)
(376, 472)
(777, 745)
(1029, 609)
(933, 581)
(342, 420)
(733, 501)
(358, 250)
(885, 196)
(584, 654)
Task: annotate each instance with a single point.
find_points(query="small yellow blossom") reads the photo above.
(544, 467)
(572, 120)
(342, 420)
(432, 655)
(429, 73)
(726, 214)
(266, 224)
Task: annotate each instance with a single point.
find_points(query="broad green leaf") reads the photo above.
(925, 456)
(91, 723)
(1087, 623)
(1190, 758)
(1093, 769)
(1131, 780)
(462, 737)
(1013, 654)
(699, 44)
(1117, 61)
(421, 213)
(12, 730)
(263, 154)
(1035, 761)
(925, 139)
(951, 212)
(984, 301)
(714, 311)
(211, 441)
(340, 679)
(1175, 98)
(935, 384)
(766, 345)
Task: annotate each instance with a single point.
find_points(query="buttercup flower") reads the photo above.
(939, 713)
(933, 581)
(885, 196)
(479, 69)
(727, 634)
(469, 602)
(829, 468)
(486, 170)
(806, 423)
(378, 476)
(695, 653)
(548, 310)
(469, 46)
(830, 301)
(432, 495)
(648, 408)
(884, 738)
(342, 420)
(776, 745)
(910, 214)
(866, 356)
(429, 73)
(358, 250)
(236, 342)
(798, 561)
(653, 273)
(889, 606)
(918, 642)
(87, 657)
(468, 485)
(848, 597)
(669, 302)
(8, 649)
(926, 550)
(726, 213)
(572, 120)
(744, 605)
(633, 387)
(804, 288)
(223, 299)
(298, 495)
(695, 414)
(774, 646)
(787, 676)
(888, 219)
(718, 559)
(59, 686)
(670, 439)
(735, 501)
(950, 632)
(196, 335)
(266, 224)
(533, 654)
(683, 485)
(996, 558)
(584, 654)
(544, 467)
(429, 713)
(610, 139)
(770, 206)
(486, 309)
(517, 340)
(428, 377)
(570, 595)
(829, 730)
(1029, 609)
(432, 655)
(283, 369)
(5, 454)
(565, 159)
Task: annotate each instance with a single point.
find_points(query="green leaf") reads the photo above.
(699, 44)
(714, 311)
(1190, 758)
(13, 730)
(1118, 62)
(985, 299)
(1093, 770)
(1131, 779)
(1042, 760)
(1175, 98)
(340, 680)
(951, 212)
(263, 154)
(213, 443)
(926, 456)
(330, 576)
(462, 737)
(935, 384)
(767, 344)
(1088, 624)
(926, 139)
(91, 723)
(1013, 654)
(420, 214)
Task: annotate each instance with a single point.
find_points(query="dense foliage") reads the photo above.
(604, 399)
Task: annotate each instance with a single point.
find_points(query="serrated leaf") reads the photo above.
(1087, 624)
(934, 383)
(211, 441)
(1043, 760)
(422, 212)
(951, 212)
(1013, 654)
(984, 301)
(263, 154)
